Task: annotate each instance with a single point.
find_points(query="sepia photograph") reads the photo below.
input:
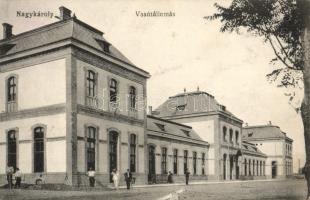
(155, 100)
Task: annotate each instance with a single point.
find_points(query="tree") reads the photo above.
(285, 26)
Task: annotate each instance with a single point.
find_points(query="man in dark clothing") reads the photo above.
(128, 178)
(187, 175)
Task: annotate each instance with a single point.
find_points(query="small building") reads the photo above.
(214, 124)
(273, 142)
(174, 147)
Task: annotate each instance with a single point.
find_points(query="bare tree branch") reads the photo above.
(279, 57)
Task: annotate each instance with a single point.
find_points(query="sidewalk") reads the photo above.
(202, 183)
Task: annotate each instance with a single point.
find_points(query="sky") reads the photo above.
(184, 51)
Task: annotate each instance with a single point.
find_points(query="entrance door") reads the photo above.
(113, 137)
(152, 172)
(274, 169)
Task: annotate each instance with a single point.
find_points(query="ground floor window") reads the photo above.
(194, 163)
(175, 161)
(11, 149)
(38, 149)
(185, 156)
(164, 160)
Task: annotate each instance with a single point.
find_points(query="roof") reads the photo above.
(71, 28)
(249, 148)
(172, 130)
(263, 132)
(189, 103)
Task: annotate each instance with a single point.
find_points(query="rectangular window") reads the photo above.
(91, 147)
(11, 138)
(203, 157)
(231, 133)
(133, 153)
(185, 157)
(237, 137)
(164, 160)
(175, 161)
(38, 149)
(195, 162)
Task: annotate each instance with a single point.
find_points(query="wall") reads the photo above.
(55, 142)
(38, 85)
(103, 89)
(102, 152)
(181, 146)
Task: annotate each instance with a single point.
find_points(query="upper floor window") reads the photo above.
(113, 90)
(91, 147)
(224, 133)
(38, 149)
(11, 94)
(231, 133)
(164, 160)
(132, 97)
(132, 153)
(91, 83)
(11, 89)
(237, 137)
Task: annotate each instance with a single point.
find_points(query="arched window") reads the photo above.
(133, 152)
(91, 147)
(225, 133)
(11, 94)
(175, 161)
(164, 160)
(11, 151)
(113, 90)
(39, 148)
(91, 83)
(11, 89)
(195, 163)
(132, 97)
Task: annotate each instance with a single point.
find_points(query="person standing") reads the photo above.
(128, 178)
(115, 178)
(18, 178)
(91, 176)
(187, 173)
(170, 177)
(9, 176)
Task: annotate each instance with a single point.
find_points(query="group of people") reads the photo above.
(115, 178)
(13, 174)
(170, 179)
(128, 177)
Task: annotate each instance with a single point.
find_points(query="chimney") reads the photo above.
(65, 13)
(7, 30)
(184, 90)
(269, 123)
(150, 110)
